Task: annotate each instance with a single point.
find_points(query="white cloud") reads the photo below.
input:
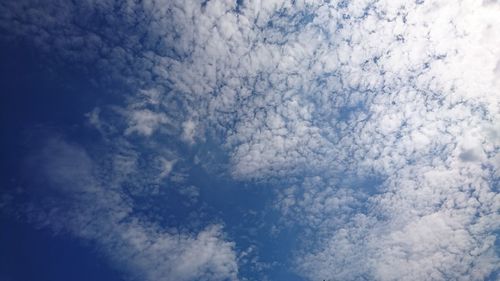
(167, 167)
(408, 91)
(97, 209)
(189, 131)
(145, 122)
(432, 222)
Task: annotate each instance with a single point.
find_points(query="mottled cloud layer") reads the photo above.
(316, 98)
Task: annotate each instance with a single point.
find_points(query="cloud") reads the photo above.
(145, 122)
(188, 131)
(167, 167)
(332, 91)
(191, 192)
(430, 222)
(98, 210)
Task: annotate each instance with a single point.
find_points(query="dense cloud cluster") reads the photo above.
(315, 97)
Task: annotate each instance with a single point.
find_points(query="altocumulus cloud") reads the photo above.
(314, 98)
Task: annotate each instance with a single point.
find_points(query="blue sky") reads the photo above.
(249, 140)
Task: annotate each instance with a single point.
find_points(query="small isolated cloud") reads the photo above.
(166, 167)
(94, 119)
(145, 122)
(189, 131)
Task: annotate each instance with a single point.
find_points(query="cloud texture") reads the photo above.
(84, 202)
(316, 98)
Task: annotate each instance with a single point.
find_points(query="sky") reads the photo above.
(188, 140)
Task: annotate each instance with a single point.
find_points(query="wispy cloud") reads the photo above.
(87, 205)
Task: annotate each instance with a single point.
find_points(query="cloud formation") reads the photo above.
(337, 91)
(84, 203)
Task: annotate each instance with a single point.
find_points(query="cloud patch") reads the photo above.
(98, 210)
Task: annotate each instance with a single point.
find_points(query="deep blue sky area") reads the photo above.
(33, 254)
(249, 140)
(36, 100)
